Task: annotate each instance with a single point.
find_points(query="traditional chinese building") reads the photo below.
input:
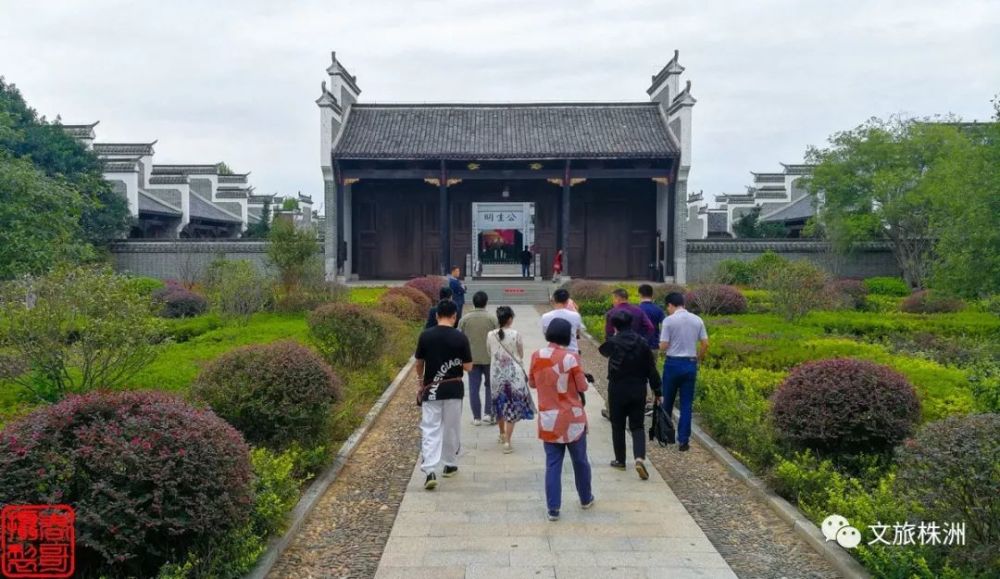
(411, 189)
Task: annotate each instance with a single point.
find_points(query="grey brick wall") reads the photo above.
(869, 261)
(184, 259)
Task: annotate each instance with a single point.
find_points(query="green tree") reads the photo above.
(750, 226)
(873, 184)
(291, 249)
(39, 220)
(262, 228)
(77, 329)
(223, 168)
(24, 134)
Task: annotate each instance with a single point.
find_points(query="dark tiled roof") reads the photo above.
(239, 179)
(119, 166)
(202, 208)
(506, 131)
(150, 204)
(168, 179)
(233, 192)
(81, 131)
(802, 208)
(124, 148)
(185, 169)
(797, 168)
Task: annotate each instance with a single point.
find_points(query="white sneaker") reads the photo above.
(507, 448)
(492, 419)
(477, 422)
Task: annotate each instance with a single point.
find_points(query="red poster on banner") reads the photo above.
(37, 541)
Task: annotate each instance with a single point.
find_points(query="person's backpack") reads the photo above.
(662, 430)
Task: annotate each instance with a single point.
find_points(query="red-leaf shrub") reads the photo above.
(950, 467)
(931, 302)
(429, 285)
(845, 405)
(347, 335)
(585, 290)
(149, 475)
(174, 301)
(716, 299)
(848, 294)
(416, 296)
(275, 394)
(400, 306)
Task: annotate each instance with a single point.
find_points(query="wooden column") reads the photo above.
(333, 228)
(445, 222)
(564, 220)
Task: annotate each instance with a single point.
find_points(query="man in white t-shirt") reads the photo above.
(560, 298)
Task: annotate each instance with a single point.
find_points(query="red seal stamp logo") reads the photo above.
(37, 541)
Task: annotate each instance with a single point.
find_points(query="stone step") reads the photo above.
(511, 292)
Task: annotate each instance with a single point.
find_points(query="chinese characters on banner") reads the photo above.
(37, 541)
(499, 219)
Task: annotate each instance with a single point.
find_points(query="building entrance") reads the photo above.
(500, 232)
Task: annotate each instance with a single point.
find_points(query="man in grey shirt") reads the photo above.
(684, 339)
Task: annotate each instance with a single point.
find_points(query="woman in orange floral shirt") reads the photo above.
(562, 421)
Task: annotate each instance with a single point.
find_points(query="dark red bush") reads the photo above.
(149, 475)
(429, 285)
(848, 294)
(173, 301)
(845, 405)
(275, 394)
(402, 307)
(716, 299)
(931, 302)
(414, 295)
(950, 467)
(585, 290)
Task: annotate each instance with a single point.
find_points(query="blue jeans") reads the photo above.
(525, 270)
(678, 378)
(554, 453)
(480, 373)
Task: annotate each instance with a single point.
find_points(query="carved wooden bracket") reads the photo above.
(662, 180)
(351, 180)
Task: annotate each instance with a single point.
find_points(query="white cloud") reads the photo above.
(236, 81)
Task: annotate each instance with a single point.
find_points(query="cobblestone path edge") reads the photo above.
(311, 497)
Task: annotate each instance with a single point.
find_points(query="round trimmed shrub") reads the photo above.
(848, 294)
(931, 302)
(950, 467)
(150, 476)
(145, 285)
(716, 299)
(844, 405)
(347, 335)
(416, 296)
(275, 394)
(402, 307)
(585, 290)
(887, 286)
(429, 285)
(175, 301)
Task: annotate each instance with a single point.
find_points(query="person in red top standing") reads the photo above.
(562, 422)
(557, 267)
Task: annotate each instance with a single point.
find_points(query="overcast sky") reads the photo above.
(235, 81)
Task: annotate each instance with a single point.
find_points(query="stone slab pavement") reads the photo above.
(489, 521)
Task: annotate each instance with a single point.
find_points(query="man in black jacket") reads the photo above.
(631, 366)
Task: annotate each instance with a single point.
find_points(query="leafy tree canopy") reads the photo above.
(874, 184)
(42, 160)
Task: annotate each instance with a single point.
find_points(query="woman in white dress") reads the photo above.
(508, 381)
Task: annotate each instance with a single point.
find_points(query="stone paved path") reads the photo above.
(489, 521)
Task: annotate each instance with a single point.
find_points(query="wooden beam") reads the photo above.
(490, 174)
(444, 215)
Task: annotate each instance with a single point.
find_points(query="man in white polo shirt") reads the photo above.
(684, 339)
(560, 299)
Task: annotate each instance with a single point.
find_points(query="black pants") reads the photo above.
(627, 401)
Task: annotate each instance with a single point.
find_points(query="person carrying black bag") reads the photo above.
(631, 366)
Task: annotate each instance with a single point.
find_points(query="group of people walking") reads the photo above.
(485, 345)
